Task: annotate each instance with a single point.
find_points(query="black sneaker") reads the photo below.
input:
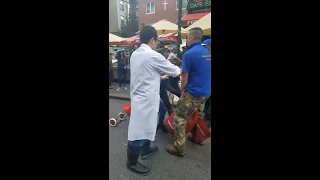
(147, 150)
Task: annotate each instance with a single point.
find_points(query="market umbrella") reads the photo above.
(168, 37)
(204, 23)
(114, 38)
(126, 41)
(164, 27)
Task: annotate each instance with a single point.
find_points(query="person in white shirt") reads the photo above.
(173, 55)
(146, 67)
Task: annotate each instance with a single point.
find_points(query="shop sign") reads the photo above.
(198, 4)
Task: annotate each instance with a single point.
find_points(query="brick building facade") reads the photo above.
(152, 11)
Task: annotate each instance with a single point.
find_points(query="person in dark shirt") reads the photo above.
(165, 105)
(207, 108)
(122, 68)
(135, 47)
(207, 44)
(110, 71)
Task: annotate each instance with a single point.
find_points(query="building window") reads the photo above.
(121, 5)
(184, 4)
(150, 8)
(122, 20)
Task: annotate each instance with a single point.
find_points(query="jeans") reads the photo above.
(137, 143)
(122, 76)
(162, 112)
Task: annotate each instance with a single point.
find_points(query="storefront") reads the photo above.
(196, 10)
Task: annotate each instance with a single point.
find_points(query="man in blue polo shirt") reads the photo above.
(195, 88)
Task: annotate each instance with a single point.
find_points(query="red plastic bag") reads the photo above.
(192, 121)
(126, 108)
(200, 132)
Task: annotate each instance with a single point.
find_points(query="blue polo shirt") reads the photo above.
(199, 69)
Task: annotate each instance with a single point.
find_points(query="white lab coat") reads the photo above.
(146, 65)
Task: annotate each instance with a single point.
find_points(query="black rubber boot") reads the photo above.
(133, 164)
(147, 150)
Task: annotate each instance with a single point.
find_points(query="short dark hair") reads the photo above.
(135, 44)
(196, 33)
(147, 33)
(118, 54)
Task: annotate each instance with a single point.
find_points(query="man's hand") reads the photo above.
(125, 67)
(165, 77)
(177, 60)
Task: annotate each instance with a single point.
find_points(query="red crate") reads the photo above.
(192, 121)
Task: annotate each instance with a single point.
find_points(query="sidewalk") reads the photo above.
(121, 94)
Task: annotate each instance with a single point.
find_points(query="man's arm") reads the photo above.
(184, 81)
(164, 66)
(178, 61)
(186, 67)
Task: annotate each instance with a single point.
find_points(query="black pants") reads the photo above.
(207, 110)
(165, 99)
(122, 76)
(174, 83)
(110, 77)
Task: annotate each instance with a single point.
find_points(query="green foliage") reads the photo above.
(130, 26)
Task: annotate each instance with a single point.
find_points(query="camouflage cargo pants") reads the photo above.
(185, 107)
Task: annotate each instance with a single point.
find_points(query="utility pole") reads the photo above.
(179, 26)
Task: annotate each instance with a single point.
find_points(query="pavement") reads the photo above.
(196, 164)
(122, 94)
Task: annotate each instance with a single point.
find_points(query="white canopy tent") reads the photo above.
(114, 38)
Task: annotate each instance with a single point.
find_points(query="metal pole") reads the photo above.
(179, 26)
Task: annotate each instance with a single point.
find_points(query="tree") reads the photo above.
(124, 30)
(130, 26)
(134, 22)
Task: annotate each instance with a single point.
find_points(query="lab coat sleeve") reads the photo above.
(160, 64)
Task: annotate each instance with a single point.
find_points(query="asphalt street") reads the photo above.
(196, 164)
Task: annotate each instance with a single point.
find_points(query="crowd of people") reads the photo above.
(154, 73)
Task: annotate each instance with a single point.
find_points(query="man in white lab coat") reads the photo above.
(147, 65)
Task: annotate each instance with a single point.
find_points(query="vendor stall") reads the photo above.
(127, 42)
(114, 38)
(204, 23)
